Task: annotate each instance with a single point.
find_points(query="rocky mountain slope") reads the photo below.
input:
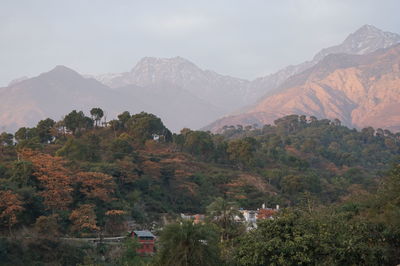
(363, 41)
(359, 90)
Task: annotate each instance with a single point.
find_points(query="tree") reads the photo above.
(44, 130)
(186, 243)
(6, 139)
(276, 242)
(82, 149)
(10, 206)
(292, 184)
(84, 219)
(313, 119)
(144, 126)
(242, 151)
(47, 227)
(97, 114)
(115, 222)
(223, 214)
(129, 256)
(199, 143)
(24, 134)
(22, 174)
(121, 147)
(75, 121)
(95, 185)
(326, 237)
(288, 124)
(389, 200)
(124, 118)
(337, 122)
(368, 134)
(54, 179)
(21, 134)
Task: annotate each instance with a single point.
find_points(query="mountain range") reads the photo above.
(184, 95)
(365, 40)
(359, 90)
(57, 92)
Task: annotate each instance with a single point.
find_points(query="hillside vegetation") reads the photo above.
(82, 177)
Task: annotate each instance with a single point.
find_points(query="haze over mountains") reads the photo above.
(184, 95)
(359, 90)
(365, 40)
(57, 92)
(224, 92)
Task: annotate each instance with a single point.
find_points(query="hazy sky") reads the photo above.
(246, 38)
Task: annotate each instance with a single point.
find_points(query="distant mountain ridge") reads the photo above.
(175, 89)
(51, 94)
(229, 93)
(364, 40)
(57, 92)
(224, 92)
(359, 90)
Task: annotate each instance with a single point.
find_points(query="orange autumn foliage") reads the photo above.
(115, 213)
(84, 219)
(10, 205)
(55, 179)
(95, 185)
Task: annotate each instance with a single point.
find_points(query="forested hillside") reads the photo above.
(82, 177)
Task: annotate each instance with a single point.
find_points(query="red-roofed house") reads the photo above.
(146, 240)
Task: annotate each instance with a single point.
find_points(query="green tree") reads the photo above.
(85, 149)
(288, 124)
(388, 200)
(323, 238)
(6, 139)
(97, 114)
(47, 227)
(144, 126)
(199, 143)
(22, 174)
(24, 134)
(186, 243)
(129, 256)
(76, 121)
(44, 130)
(124, 118)
(120, 148)
(242, 151)
(223, 214)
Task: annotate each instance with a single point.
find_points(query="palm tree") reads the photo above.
(186, 243)
(97, 114)
(223, 214)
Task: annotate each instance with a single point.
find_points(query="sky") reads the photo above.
(245, 39)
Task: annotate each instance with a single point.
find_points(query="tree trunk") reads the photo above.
(9, 226)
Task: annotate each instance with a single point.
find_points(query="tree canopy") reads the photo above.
(79, 177)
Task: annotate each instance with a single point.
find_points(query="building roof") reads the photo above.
(143, 233)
